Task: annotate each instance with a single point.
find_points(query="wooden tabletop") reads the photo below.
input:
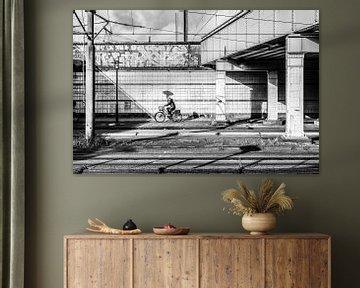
(89, 235)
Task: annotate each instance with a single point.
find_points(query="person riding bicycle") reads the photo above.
(170, 105)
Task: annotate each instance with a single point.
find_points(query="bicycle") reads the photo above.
(162, 114)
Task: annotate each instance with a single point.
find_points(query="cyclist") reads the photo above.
(170, 105)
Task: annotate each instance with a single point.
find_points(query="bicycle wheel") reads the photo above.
(159, 117)
(177, 117)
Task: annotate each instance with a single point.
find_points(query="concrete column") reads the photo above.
(90, 79)
(220, 92)
(294, 87)
(272, 103)
(294, 93)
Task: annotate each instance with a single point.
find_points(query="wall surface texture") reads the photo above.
(59, 202)
(194, 91)
(140, 92)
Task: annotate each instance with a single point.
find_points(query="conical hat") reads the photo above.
(167, 92)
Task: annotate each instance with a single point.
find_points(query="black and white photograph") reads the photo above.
(196, 91)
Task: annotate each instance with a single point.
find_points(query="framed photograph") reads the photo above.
(195, 91)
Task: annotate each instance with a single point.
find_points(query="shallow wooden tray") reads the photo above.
(171, 231)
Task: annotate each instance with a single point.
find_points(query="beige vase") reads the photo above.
(259, 223)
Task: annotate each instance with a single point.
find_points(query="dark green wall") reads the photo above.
(59, 202)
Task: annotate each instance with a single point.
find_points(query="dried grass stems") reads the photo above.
(267, 200)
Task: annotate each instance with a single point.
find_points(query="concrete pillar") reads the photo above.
(294, 93)
(186, 26)
(272, 103)
(90, 79)
(220, 115)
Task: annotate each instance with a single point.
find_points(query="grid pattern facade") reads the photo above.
(105, 91)
(194, 91)
(246, 93)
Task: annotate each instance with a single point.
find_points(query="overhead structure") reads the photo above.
(273, 41)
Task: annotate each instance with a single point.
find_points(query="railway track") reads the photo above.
(199, 161)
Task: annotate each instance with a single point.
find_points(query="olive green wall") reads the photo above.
(59, 202)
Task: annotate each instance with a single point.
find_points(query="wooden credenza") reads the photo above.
(197, 260)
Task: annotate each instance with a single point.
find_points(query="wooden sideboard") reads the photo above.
(197, 260)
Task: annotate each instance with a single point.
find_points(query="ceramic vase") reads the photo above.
(259, 223)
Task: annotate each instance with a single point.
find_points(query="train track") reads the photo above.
(199, 161)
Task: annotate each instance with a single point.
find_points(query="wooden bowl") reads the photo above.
(171, 231)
